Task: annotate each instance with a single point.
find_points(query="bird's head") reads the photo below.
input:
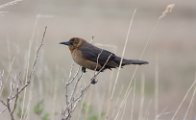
(73, 43)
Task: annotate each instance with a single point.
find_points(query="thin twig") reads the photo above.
(3, 102)
(20, 90)
(74, 77)
(71, 70)
(82, 93)
(10, 3)
(184, 98)
(123, 53)
(95, 75)
(15, 102)
(37, 53)
(142, 53)
(190, 104)
(71, 99)
(75, 87)
(11, 109)
(67, 86)
(98, 61)
(1, 79)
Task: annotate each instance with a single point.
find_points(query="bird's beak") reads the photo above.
(65, 43)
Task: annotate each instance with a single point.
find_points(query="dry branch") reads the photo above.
(73, 99)
(11, 102)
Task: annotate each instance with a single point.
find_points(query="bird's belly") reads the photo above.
(79, 59)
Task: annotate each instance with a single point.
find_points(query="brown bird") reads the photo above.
(94, 58)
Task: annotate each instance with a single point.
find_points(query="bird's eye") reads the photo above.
(71, 42)
(76, 42)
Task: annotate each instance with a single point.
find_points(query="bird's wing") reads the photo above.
(91, 53)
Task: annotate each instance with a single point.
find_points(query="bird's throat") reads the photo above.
(71, 48)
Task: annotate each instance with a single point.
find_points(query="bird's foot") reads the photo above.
(83, 69)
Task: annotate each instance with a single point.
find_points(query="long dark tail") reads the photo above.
(136, 62)
(131, 61)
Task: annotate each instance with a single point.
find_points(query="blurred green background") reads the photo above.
(170, 51)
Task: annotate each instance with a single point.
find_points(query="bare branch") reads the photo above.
(16, 91)
(15, 102)
(10, 3)
(1, 79)
(93, 79)
(75, 87)
(37, 53)
(82, 93)
(74, 77)
(69, 82)
(3, 102)
(20, 90)
(72, 100)
(9, 109)
(98, 61)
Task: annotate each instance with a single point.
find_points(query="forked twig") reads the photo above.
(73, 99)
(15, 93)
(93, 79)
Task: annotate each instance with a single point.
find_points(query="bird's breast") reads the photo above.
(79, 59)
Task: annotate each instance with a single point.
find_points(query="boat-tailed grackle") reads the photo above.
(94, 58)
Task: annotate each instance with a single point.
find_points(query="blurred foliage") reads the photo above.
(45, 116)
(89, 113)
(20, 112)
(40, 112)
(39, 108)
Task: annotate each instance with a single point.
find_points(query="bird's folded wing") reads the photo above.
(93, 53)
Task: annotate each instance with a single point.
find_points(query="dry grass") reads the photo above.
(146, 92)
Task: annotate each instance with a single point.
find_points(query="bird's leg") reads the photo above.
(83, 69)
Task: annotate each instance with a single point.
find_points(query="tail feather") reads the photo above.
(135, 62)
(131, 61)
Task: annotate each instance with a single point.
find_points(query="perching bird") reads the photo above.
(94, 58)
